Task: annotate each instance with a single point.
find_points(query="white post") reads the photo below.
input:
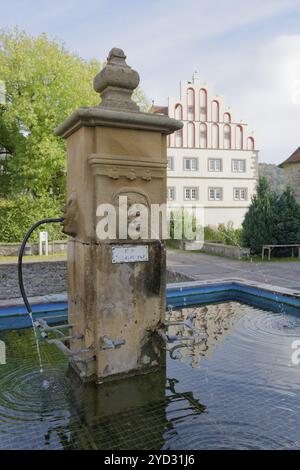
(43, 237)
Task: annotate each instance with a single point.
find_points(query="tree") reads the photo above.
(272, 219)
(41, 84)
(258, 225)
(287, 219)
(140, 98)
(44, 84)
(274, 175)
(17, 214)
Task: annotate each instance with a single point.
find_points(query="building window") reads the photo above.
(250, 143)
(240, 194)
(203, 136)
(215, 136)
(190, 104)
(215, 111)
(239, 166)
(190, 164)
(178, 138)
(191, 194)
(215, 194)
(170, 193)
(239, 137)
(191, 134)
(214, 164)
(227, 136)
(178, 111)
(170, 163)
(203, 104)
(227, 117)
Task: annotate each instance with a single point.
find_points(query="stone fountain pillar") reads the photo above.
(116, 285)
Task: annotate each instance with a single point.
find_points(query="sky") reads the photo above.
(249, 51)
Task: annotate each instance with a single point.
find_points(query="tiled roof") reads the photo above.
(159, 110)
(294, 158)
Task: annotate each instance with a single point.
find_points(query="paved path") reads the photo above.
(207, 267)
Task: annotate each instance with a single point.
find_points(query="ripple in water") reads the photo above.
(28, 395)
(244, 372)
(234, 389)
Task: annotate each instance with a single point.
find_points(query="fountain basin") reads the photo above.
(178, 295)
(237, 388)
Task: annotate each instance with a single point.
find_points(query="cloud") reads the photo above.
(248, 50)
(270, 97)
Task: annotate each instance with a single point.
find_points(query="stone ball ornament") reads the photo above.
(116, 82)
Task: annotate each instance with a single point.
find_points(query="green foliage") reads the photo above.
(225, 234)
(274, 176)
(230, 235)
(286, 221)
(211, 234)
(19, 213)
(44, 84)
(140, 98)
(259, 220)
(272, 219)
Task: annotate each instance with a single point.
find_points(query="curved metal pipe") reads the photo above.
(21, 253)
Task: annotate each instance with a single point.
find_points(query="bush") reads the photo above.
(259, 220)
(211, 234)
(18, 214)
(272, 219)
(230, 235)
(225, 234)
(286, 222)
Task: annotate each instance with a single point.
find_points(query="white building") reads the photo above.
(213, 160)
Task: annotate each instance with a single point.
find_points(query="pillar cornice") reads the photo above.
(97, 116)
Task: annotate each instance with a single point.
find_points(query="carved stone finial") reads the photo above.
(116, 83)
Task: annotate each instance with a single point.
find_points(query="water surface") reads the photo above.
(235, 389)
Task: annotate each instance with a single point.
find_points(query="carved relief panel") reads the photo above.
(129, 186)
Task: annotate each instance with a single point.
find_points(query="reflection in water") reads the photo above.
(126, 414)
(215, 321)
(132, 411)
(232, 386)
